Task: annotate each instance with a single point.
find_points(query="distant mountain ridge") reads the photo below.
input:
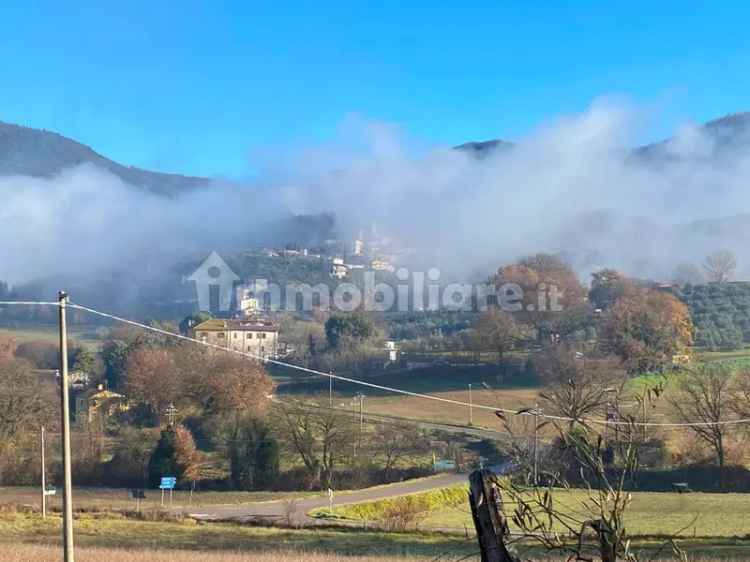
(39, 153)
(484, 148)
(728, 133)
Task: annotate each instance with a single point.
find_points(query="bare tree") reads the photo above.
(394, 442)
(321, 437)
(575, 387)
(740, 401)
(220, 382)
(211, 382)
(720, 266)
(153, 378)
(688, 273)
(498, 331)
(540, 518)
(25, 402)
(704, 396)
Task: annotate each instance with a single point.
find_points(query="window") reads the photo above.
(249, 335)
(262, 335)
(235, 335)
(220, 335)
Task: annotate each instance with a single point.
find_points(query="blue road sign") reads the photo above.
(167, 483)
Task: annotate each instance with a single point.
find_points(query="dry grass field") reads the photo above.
(32, 553)
(434, 411)
(111, 531)
(38, 553)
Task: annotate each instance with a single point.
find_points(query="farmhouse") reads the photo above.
(98, 403)
(257, 337)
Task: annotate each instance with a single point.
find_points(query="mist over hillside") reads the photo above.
(574, 186)
(43, 154)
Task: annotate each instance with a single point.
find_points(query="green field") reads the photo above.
(86, 335)
(189, 540)
(649, 515)
(111, 531)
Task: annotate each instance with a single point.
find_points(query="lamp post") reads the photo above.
(471, 408)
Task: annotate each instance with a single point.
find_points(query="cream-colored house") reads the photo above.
(257, 337)
(98, 403)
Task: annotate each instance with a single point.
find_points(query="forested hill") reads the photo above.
(720, 313)
(38, 153)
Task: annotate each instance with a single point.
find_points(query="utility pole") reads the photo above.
(354, 414)
(330, 390)
(537, 413)
(44, 478)
(471, 408)
(361, 417)
(65, 412)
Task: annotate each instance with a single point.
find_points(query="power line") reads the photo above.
(30, 303)
(392, 389)
(604, 422)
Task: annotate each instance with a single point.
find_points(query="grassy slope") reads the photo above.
(651, 514)
(190, 542)
(81, 334)
(114, 532)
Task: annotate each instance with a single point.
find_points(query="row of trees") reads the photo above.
(708, 398)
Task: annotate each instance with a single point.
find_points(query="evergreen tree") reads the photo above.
(253, 454)
(163, 459)
(175, 455)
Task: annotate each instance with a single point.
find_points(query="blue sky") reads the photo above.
(198, 86)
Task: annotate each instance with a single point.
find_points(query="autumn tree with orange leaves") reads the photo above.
(154, 378)
(538, 273)
(646, 328)
(546, 281)
(196, 381)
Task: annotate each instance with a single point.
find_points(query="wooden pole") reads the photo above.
(489, 521)
(68, 553)
(44, 479)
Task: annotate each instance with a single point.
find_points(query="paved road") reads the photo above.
(276, 511)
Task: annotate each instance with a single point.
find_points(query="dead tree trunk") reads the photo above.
(607, 540)
(486, 510)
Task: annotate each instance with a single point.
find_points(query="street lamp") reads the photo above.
(536, 412)
(471, 408)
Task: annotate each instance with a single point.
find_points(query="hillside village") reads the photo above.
(374, 282)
